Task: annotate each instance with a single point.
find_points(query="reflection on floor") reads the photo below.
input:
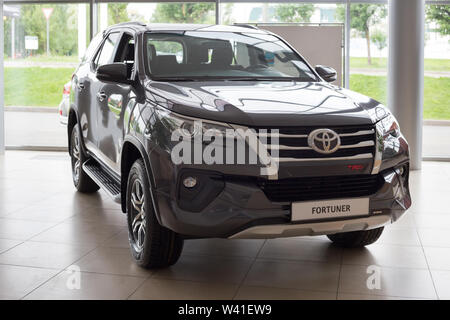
(45, 227)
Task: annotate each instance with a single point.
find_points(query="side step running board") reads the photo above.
(104, 180)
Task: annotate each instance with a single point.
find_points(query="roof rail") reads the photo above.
(137, 23)
(245, 25)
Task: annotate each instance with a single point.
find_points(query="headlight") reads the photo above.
(191, 127)
(389, 126)
(385, 122)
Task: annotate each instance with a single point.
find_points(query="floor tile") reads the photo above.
(44, 255)
(299, 249)
(119, 240)
(101, 216)
(16, 281)
(438, 258)
(401, 282)
(113, 261)
(164, 289)
(223, 247)
(73, 199)
(207, 269)
(433, 237)
(294, 275)
(22, 229)
(6, 244)
(430, 200)
(43, 213)
(7, 208)
(23, 196)
(92, 286)
(399, 236)
(386, 255)
(442, 282)
(440, 221)
(78, 233)
(266, 293)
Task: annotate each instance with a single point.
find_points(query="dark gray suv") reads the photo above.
(203, 131)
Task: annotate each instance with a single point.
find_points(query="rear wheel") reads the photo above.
(152, 245)
(81, 180)
(356, 239)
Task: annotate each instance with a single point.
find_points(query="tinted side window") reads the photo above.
(105, 55)
(125, 53)
(90, 51)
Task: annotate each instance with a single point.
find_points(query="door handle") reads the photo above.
(101, 96)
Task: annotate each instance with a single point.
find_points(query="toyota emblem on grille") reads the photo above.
(324, 141)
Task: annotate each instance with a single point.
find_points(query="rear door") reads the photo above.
(81, 88)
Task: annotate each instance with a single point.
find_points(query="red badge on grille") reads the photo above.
(355, 166)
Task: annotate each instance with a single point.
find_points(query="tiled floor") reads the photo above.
(47, 229)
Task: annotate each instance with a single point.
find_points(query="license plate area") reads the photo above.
(329, 209)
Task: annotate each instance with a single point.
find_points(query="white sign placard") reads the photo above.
(31, 43)
(339, 208)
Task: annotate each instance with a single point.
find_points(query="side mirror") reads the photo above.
(114, 72)
(327, 73)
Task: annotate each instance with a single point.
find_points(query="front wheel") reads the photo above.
(356, 239)
(152, 245)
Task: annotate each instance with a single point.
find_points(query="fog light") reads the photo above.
(190, 182)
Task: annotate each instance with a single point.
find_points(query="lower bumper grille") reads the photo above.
(317, 188)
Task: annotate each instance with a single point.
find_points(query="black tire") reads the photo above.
(81, 180)
(152, 245)
(356, 239)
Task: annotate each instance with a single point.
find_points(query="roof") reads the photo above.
(139, 26)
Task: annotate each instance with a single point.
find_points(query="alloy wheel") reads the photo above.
(138, 225)
(76, 159)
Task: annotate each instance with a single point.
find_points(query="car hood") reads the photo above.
(260, 103)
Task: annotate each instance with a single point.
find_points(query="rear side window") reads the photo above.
(105, 54)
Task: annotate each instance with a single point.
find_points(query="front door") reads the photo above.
(111, 99)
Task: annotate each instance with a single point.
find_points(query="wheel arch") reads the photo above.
(132, 150)
(71, 122)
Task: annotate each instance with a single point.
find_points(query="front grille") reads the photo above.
(317, 188)
(357, 142)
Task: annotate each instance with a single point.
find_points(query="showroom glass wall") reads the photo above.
(39, 59)
(34, 80)
(436, 130)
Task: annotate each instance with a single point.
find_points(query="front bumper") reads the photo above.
(313, 229)
(242, 210)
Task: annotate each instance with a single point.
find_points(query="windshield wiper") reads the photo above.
(219, 78)
(261, 79)
(175, 79)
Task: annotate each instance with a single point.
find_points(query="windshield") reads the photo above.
(206, 55)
